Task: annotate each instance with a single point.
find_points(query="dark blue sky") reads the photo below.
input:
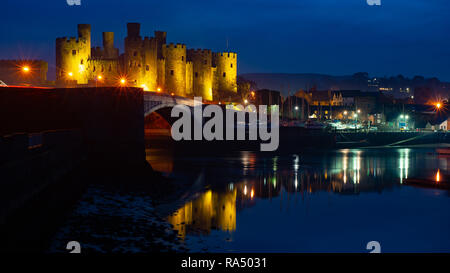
(409, 37)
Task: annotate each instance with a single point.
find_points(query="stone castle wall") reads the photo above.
(149, 63)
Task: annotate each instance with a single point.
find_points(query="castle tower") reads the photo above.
(150, 64)
(226, 73)
(175, 70)
(108, 46)
(202, 73)
(84, 32)
(133, 55)
(72, 55)
(160, 37)
(189, 78)
(161, 71)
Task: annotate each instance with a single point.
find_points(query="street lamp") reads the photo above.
(25, 69)
(245, 101)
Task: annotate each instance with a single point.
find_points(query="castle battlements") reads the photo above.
(172, 45)
(226, 54)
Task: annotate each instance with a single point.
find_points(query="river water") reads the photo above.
(332, 201)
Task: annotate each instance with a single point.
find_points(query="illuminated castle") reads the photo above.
(147, 62)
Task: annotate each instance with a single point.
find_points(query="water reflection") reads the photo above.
(211, 210)
(403, 164)
(346, 172)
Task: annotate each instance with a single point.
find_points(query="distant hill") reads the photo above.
(293, 82)
(396, 85)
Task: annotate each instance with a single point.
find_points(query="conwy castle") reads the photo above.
(147, 62)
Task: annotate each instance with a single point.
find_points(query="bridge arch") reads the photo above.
(158, 107)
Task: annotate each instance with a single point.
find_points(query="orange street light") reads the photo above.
(70, 74)
(99, 77)
(123, 81)
(158, 89)
(438, 105)
(25, 69)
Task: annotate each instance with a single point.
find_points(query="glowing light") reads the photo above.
(345, 113)
(158, 89)
(81, 68)
(145, 87)
(172, 94)
(438, 105)
(123, 81)
(252, 193)
(359, 111)
(99, 77)
(245, 190)
(245, 101)
(438, 176)
(296, 107)
(253, 93)
(70, 74)
(25, 69)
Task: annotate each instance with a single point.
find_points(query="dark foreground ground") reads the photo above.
(102, 207)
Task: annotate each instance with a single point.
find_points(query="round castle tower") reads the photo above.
(202, 74)
(72, 56)
(133, 54)
(175, 71)
(226, 75)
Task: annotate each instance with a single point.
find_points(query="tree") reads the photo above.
(244, 87)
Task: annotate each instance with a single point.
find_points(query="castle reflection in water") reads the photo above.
(346, 172)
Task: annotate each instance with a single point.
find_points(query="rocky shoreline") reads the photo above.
(111, 221)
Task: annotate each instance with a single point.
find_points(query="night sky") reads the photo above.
(409, 37)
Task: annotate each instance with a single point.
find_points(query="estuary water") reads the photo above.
(317, 201)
